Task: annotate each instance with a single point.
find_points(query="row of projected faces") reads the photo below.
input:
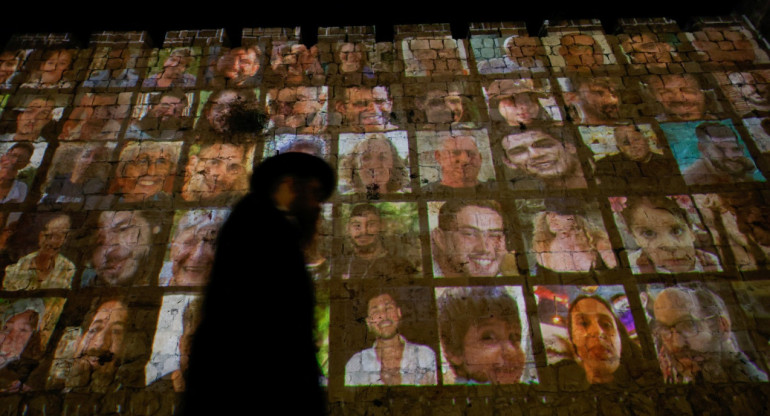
(660, 234)
(295, 63)
(599, 100)
(473, 335)
(101, 175)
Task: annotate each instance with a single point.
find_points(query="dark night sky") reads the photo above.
(158, 16)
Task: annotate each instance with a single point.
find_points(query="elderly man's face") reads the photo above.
(632, 143)
(168, 108)
(238, 64)
(364, 231)
(476, 247)
(104, 341)
(54, 235)
(680, 96)
(222, 167)
(146, 174)
(124, 239)
(725, 152)
(369, 108)
(492, 351)
(691, 339)
(192, 254)
(16, 334)
(538, 154)
(383, 317)
(9, 64)
(460, 162)
(34, 117)
(599, 102)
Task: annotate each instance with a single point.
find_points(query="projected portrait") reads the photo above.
(191, 248)
(223, 111)
(541, 157)
(759, 129)
(573, 51)
(664, 234)
(318, 255)
(753, 300)
(145, 172)
(27, 325)
(174, 68)
(234, 68)
(379, 241)
(107, 351)
(433, 56)
(589, 334)
(453, 103)
(650, 48)
(114, 68)
(78, 174)
(177, 321)
(677, 97)
(740, 225)
(565, 235)
(316, 145)
(484, 336)
(496, 55)
(386, 322)
(737, 45)
(456, 161)
(629, 155)
(366, 109)
(53, 68)
(710, 152)
(217, 172)
(96, 117)
(375, 163)
(470, 239)
(161, 116)
(296, 63)
(520, 102)
(44, 243)
(118, 252)
(32, 117)
(748, 91)
(593, 100)
(297, 109)
(19, 162)
(351, 62)
(697, 338)
(11, 62)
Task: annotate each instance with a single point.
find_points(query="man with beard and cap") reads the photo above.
(260, 252)
(392, 360)
(599, 100)
(724, 157)
(216, 115)
(695, 342)
(164, 120)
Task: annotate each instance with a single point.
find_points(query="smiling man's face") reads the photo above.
(538, 154)
(383, 316)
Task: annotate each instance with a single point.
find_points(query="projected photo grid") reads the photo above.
(510, 210)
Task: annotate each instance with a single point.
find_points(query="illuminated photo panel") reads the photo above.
(115, 67)
(234, 67)
(541, 157)
(699, 333)
(178, 319)
(96, 117)
(434, 56)
(321, 331)
(711, 152)
(740, 226)
(485, 336)
(458, 161)
(575, 51)
(374, 163)
(753, 300)
(11, 62)
(678, 97)
(214, 117)
(470, 239)
(19, 162)
(748, 91)
(496, 55)
(146, 171)
(589, 333)
(191, 247)
(759, 129)
(297, 109)
(352, 62)
(295, 64)
(173, 68)
(78, 175)
(316, 145)
(651, 48)
(27, 327)
(441, 105)
(593, 100)
(728, 45)
(217, 173)
(517, 102)
(119, 246)
(629, 155)
(565, 235)
(664, 234)
(163, 115)
(32, 117)
(44, 247)
(390, 322)
(378, 241)
(318, 255)
(55, 68)
(364, 108)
